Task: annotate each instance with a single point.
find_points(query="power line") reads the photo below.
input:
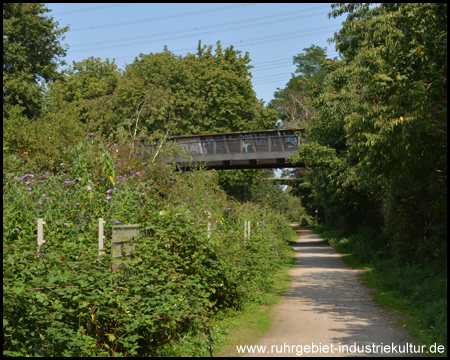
(256, 41)
(161, 17)
(91, 9)
(190, 35)
(206, 28)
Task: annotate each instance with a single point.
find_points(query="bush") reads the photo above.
(64, 301)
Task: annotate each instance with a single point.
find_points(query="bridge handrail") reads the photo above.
(238, 142)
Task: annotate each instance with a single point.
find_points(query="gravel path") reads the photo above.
(326, 304)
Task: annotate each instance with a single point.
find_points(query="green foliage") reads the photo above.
(377, 151)
(64, 301)
(85, 94)
(292, 102)
(31, 52)
(195, 94)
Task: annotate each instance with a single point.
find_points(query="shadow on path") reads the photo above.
(327, 304)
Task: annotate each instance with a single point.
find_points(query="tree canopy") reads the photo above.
(32, 52)
(378, 139)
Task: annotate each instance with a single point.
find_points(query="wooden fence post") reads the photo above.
(40, 234)
(101, 237)
(246, 230)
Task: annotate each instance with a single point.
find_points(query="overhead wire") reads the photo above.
(91, 9)
(160, 18)
(195, 29)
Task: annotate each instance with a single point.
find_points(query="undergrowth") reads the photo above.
(64, 301)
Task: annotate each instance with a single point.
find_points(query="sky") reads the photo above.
(271, 33)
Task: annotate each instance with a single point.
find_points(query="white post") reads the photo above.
(246, 230)
(40, 233)
(101, 237)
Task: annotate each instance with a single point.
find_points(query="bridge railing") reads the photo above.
(235, 143)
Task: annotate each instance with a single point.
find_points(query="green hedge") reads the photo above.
(65, 301)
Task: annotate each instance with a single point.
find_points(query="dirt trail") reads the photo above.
(327, 304)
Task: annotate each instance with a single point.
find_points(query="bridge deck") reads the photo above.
(238, 150)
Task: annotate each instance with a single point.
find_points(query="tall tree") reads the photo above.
(291, 103)
(32, 53)
(85, 93)
(205, 92)
(378, 134)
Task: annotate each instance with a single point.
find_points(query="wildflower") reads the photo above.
(82, 229)
(62, 164)
(143, 194)
(108, 198)
(41, 181)
(77, 204)
(115, 145)
(83, 220)
(91, 134)
(131, 172)
(108, 191)
(148, 188)
(30, 189)
(17, 229)
(65, 224)
(88, 187)
(69, 182)
(116, 189)
(40, 202)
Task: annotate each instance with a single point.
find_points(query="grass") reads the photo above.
(417, 295)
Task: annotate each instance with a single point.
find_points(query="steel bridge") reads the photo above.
(234, 150)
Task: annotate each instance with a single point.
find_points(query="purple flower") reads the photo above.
(27, 182)
(88, 187)
(17, 229)
(41, 181)
(115, 145)
(65, 224)
(91, 134)
(82, 229)
(30, 189)
(62, 164)
(143, 194)
(131, 172)
(108, 191)
(77, 204)
(138, 174)
(148, 188)
(40, 202)
(116, 189)
(69, 182)
(108, 198)
(83, 220)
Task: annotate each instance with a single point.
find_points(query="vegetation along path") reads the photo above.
(326, 304)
